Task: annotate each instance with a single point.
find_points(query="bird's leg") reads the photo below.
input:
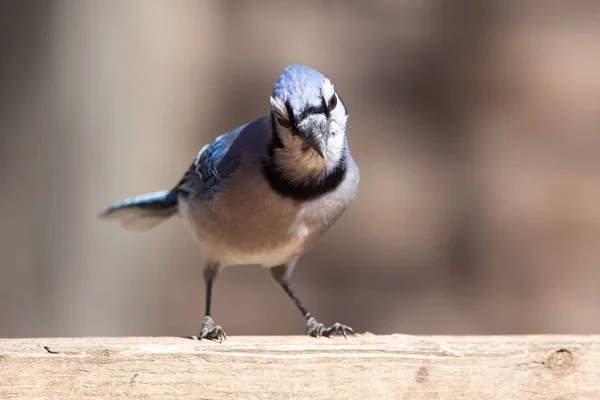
(209, 330)
(314, 328)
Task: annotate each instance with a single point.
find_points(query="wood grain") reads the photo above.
(363, 367)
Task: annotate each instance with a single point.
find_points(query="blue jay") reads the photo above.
(265, 192)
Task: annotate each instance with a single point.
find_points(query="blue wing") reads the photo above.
(204, 175)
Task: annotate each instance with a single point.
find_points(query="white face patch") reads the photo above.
(278, 108)
(327, 89)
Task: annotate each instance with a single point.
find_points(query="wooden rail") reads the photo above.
(363, 367)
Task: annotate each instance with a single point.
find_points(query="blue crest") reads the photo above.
(300, 86)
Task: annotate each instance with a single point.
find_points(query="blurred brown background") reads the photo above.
(476, 125)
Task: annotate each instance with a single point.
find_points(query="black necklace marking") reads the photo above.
(305, 190)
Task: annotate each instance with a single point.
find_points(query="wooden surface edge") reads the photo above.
(366, 366)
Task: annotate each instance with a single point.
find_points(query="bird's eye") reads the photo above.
(333, 102)
(284, 122)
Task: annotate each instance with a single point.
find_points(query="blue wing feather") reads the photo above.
(143, 212)
(209, 160)
(204, 175)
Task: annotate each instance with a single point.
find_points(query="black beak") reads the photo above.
(319, 143)
(316, 136)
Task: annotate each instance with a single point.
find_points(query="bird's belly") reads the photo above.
(267, 257)
(251, 241)
(265, 250)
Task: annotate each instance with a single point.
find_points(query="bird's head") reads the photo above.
(308, 114)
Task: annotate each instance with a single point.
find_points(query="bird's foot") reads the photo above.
(211, 331)
(316, 329)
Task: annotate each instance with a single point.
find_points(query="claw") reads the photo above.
(314, 328)
(339, 328)
(317, 329)
(211, 331)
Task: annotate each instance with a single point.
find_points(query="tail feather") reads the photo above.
(143, 212)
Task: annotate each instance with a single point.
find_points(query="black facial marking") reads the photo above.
(276, 139)
(306, 112)
(302, 191)
(310, 110)
(324, 106)
(292, 118)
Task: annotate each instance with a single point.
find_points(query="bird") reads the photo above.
(263, 193)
